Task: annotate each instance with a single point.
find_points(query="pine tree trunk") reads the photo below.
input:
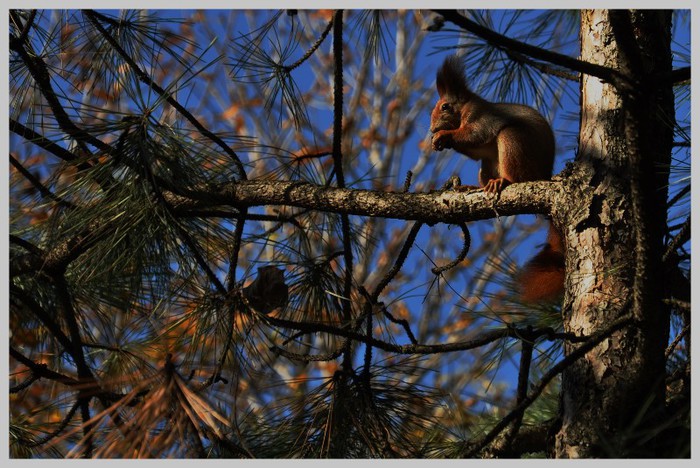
(615, 237)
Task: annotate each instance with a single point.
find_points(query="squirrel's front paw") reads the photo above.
(441, 140)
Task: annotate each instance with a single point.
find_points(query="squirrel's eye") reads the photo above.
(445, 106)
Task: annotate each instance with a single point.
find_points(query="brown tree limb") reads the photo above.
(433, 207)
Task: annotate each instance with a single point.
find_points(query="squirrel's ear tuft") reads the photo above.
(450, 80)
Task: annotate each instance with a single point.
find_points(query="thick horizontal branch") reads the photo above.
(432, 207)
(447, 206)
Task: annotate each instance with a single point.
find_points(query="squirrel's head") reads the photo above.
(452, 89)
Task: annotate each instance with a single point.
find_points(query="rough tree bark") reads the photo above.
(614, 218)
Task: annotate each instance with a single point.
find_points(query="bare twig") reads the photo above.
(462, 254)
(312, 49)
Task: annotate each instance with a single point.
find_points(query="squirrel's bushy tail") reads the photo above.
(542, 278)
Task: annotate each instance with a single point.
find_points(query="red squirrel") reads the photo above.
(514, 143)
